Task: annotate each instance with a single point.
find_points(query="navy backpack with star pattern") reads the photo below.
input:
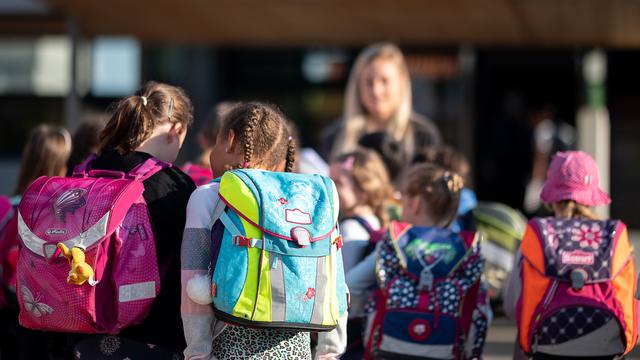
(430, 303)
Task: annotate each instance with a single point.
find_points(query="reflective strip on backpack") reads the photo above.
(85, 239)
(278, 296)
(320, 291)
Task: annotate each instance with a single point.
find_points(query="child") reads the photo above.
(255, 136)
(364, 190)
(573, 284)
(151, 123)
(449, 158)
(45, 154)
(200, 171)
(430, 200)
(390, 150)
(86, 139)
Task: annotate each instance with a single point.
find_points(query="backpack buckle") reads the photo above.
(339, 242)
(301, 236)
(426, 280)
(239, 240)
(578, 278)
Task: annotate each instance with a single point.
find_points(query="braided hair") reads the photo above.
(263, 135)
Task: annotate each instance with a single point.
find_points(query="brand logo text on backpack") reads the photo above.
(56, 231)
(577, 258)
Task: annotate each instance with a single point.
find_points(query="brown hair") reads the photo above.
(370, 176)
(213, 121)
(86, 139)
(263, 133)
(136, 116)
(45, 154)
(447, 157)
(210, 128)
(570, 209)
(439, 188)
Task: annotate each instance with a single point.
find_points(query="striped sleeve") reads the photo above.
(198, 320)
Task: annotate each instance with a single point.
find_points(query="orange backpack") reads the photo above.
(578, 276)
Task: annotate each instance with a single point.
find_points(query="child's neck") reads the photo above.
(421, 219)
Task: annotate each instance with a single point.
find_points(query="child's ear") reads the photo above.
(174, 132)
(232, 142)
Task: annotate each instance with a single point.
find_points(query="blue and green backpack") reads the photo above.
(277, 261)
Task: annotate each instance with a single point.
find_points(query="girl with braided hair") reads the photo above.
(253, 135)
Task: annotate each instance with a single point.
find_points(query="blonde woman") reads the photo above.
(378, 99)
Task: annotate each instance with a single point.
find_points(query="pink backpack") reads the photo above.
(103, 214)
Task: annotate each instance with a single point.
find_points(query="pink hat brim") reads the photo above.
(588, 197)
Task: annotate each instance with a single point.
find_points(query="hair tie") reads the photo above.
(290, 138)
(453, 181)
(245, 164)
(144, 100)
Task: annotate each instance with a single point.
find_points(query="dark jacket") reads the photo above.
(167, 194)
(425, 133)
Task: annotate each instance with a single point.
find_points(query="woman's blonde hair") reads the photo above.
(570, 209)
(45, 154)
(354, 117)
(370, 177)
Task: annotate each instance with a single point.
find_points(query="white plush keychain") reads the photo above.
(199, 289)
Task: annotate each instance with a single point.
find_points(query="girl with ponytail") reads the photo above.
(151, 123)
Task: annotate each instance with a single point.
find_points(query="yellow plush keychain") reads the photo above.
(80, 271)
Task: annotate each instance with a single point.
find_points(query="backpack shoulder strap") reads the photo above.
(364, 223)
(147, 169)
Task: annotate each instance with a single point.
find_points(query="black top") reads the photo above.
(425, 133)
(167, 193)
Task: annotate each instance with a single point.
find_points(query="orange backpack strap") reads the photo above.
(534, 282)
(624, 284)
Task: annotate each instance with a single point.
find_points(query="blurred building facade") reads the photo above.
(480, 75)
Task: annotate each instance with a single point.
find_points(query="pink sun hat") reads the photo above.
(574, 175)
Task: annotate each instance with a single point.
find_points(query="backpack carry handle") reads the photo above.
(106, 174)
(81, 169)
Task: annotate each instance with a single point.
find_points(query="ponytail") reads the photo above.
(440, 189)
(128, 127)
(135, 117)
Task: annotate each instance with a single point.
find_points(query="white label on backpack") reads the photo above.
(577, 257)
(297, 216)
(137, 291)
